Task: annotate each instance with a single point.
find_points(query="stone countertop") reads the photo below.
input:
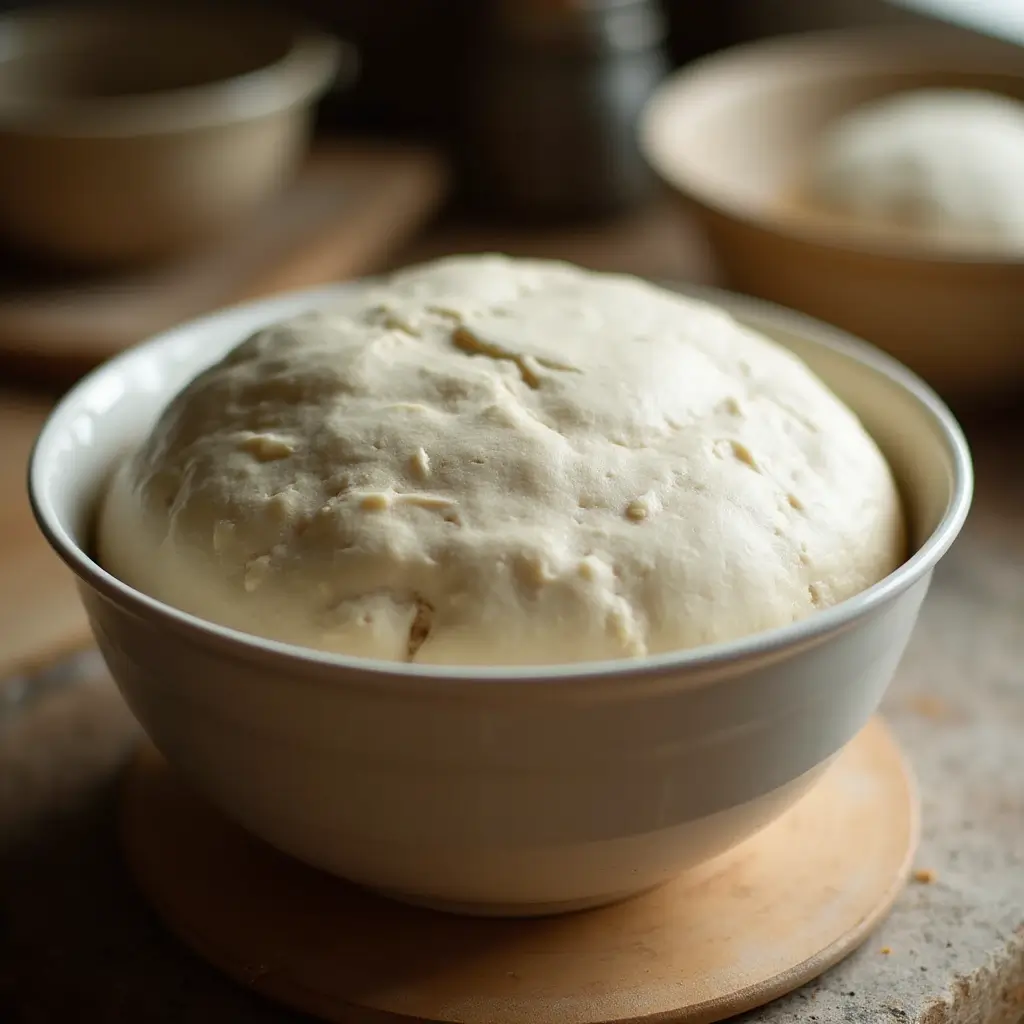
(78, 943)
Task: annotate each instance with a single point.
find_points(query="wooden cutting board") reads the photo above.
(349, 208)
(40, 615)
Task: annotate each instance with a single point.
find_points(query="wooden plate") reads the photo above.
(745, 929)
(347, 211)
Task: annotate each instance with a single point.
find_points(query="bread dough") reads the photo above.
(946, 164)
(496, 461)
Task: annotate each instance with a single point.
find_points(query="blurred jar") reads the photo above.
(551, 99)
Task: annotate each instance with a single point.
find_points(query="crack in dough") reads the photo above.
(529, 366)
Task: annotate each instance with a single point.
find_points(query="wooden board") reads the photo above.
(347, 211)
(759, 922)
(40, 614)
(659, 240)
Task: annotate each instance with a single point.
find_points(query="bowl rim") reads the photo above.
(313, 62)
(378, 672)
(924, 42)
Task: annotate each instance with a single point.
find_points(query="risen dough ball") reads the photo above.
(948, 164)
(492, 461)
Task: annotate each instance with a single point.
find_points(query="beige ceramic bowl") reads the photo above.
(513, 790)
(131, 135)
(732, 134)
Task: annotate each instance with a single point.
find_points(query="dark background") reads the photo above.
(414, 51)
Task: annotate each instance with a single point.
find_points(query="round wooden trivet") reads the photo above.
(770, 916)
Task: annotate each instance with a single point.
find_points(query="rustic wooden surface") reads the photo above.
(40, 614)
(347, 212)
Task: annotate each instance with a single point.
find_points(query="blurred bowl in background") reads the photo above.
(733, 133)
(132, 135)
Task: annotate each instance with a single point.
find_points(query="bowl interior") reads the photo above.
(112, 410)
(91, 56)
(735, 131)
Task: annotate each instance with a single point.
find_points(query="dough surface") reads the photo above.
(495, 461)
(946, 164)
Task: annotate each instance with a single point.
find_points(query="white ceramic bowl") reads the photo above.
(499, 790)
